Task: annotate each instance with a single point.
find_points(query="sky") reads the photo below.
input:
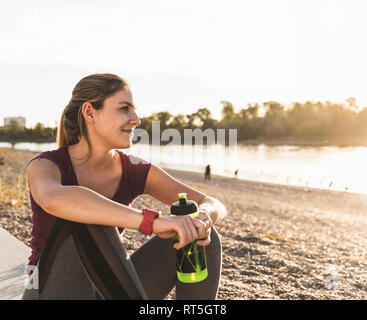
(179, 56)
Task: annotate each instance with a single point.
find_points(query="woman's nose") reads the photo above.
(135, 119)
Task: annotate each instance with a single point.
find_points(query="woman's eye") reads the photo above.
(125, 108)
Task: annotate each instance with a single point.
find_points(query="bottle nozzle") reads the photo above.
(182, 199)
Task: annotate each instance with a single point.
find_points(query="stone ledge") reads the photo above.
(13, 260)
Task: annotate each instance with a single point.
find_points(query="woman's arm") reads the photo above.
(83, 205)
(76, 203)
(165, 188)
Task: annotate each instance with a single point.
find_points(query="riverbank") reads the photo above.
(279, 242)
(291, 141)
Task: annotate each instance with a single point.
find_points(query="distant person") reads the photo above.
(207, 172)
(81, 182)
(235, 173)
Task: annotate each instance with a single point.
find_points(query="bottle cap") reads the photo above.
(183, 206)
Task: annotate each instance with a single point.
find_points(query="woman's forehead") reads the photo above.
(120, 96)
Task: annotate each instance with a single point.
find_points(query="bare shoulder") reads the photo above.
(43, 176)
(41, 167)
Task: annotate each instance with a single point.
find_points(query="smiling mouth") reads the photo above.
(127, 131)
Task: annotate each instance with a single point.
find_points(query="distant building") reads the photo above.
(20, 120)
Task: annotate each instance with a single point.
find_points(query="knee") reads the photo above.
(215, 240)
(214, 254)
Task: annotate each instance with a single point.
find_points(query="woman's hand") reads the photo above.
(205, 217)
(187, 228)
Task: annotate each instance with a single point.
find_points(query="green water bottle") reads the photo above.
(191, 259)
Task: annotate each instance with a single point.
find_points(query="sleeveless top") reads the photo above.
(134, 174)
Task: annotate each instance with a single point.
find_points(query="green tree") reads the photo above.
(15, 131)
(39, 129)
(228, 114)
(204, 119)
(179, 122)
(164, 118)
(275, 120)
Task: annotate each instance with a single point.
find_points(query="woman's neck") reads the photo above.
(100, 158)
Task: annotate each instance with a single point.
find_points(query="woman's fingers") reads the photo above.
(187, 228)
(186, 231)
(196, 229)
(168, 227)
(204, 242)
(182, 235)
(204, 216)
(190, 229)
(201, 227)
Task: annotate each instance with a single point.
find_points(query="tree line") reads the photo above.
(301, 121)
(15, 132)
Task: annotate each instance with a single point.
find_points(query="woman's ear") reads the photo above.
(88, 112)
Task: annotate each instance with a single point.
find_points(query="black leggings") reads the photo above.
(154, 263)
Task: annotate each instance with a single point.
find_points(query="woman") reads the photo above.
(87, 180)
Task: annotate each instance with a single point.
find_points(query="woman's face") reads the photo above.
(116, 121)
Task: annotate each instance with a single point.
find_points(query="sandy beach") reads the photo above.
(279, 242)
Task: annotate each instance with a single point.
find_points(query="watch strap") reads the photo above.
(146, 226)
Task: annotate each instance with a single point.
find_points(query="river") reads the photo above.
(326, 167)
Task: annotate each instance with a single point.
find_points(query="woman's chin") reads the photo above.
(124, 145)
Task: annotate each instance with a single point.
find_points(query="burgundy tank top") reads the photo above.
(134, 173)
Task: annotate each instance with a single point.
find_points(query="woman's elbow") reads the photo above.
(220, 208)
(51, 200)
(223, 211)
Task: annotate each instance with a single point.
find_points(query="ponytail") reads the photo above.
(61, 133)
